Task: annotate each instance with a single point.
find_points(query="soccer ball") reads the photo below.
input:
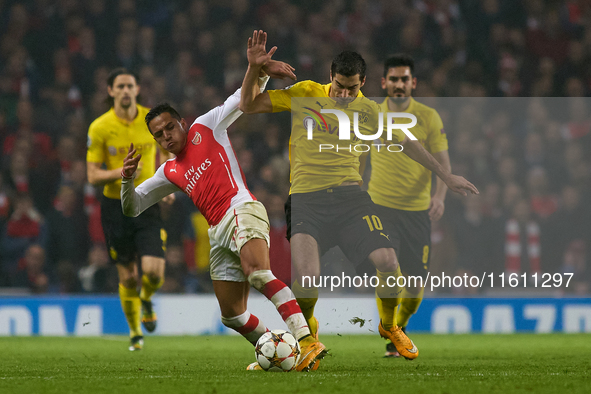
(277, 351)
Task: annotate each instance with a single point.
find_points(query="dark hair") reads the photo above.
(159, 110)
(348, 64)
(399, 60)
(114, 74)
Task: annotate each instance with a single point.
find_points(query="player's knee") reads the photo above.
(253, 258)
(384, 259)
(304, 267)
(259, 278)
(129, 282)
(250, 269)
(230, 312)
(308, 271)
(154, 277)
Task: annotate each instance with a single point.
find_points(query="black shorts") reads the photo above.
(128, 238)
(411, 234)
(343, 216)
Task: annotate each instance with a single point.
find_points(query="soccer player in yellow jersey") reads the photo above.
(401, 188)
(326, 200)
(109, 138)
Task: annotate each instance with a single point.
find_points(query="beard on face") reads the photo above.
(126, 102)
(400, 99)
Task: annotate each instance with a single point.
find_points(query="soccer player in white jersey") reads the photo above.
(206, 169)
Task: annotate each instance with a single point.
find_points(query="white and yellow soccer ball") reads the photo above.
(277, 351)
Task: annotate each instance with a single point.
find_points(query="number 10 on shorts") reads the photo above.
(374, 222)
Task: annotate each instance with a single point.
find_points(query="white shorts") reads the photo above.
(245, 222)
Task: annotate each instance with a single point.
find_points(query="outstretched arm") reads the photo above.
(97, 176)
(456, 184)
(437, 204)
(136, 200)
(252, 100)
(221, 117)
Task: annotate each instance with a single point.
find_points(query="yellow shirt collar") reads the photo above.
(123, 121)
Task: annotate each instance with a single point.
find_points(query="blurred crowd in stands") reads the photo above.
(533, 213)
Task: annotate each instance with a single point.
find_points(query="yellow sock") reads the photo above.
(307, 299)
(132, 306)
(387, 297)
(408, 306)
(149, 287)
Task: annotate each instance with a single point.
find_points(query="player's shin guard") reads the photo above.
(150, 286)
(387, 297)
(283, 299)
(307, 299)
(132, 307)
(409, 305)
(247, 325)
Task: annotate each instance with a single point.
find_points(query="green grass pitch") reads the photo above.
(464, 364)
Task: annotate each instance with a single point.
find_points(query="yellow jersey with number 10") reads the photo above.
(399, 182)
(324, 161)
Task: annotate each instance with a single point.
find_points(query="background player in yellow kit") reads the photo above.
(401, 187)
(109, 138)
